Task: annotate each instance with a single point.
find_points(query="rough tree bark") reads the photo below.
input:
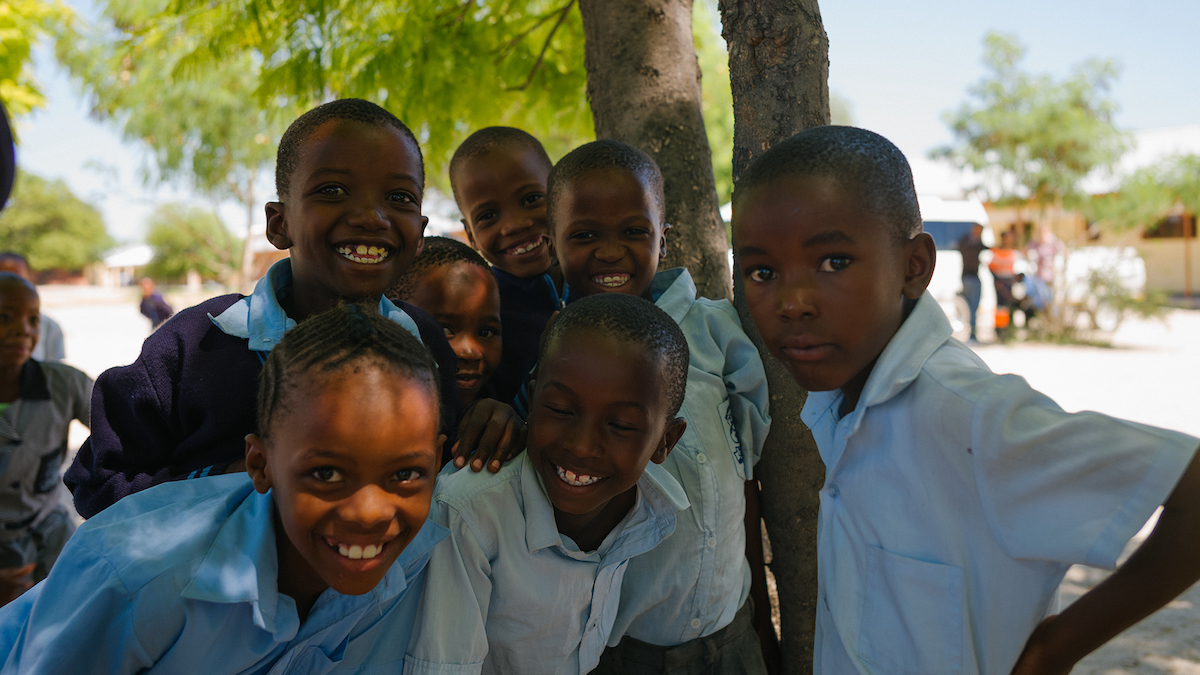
(643, 82)
(779, 70)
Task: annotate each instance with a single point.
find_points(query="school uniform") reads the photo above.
(954, 502)
(183, 578)
(184, 407)
(34, 524)
(526, 306)
(508, 593)
(693, 585)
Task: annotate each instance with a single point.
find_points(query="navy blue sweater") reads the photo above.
(526, 305)
(188, 402)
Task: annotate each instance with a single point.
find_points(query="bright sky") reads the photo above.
(900, 64)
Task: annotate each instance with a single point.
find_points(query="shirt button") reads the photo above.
(695, 623)
(701, 458)
(712, 542)
(833, 490)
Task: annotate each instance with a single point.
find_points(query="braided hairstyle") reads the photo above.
(438, 252)
(349, 335)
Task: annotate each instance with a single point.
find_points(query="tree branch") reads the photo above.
(562, 16)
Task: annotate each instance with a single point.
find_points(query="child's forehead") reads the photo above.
(338, 135)
(16, 291)
(797, 203)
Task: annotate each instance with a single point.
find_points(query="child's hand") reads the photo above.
(490, 433)
(15, 581)
(1035, 658)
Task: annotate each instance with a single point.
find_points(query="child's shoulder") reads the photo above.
(465, 490)
(171, 526)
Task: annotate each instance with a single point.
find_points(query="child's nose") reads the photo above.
(370, 506)
(609, 251)
(796, 301)
(369, 215)
(581, 440)
(467, 349)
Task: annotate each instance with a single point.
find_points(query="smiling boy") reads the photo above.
(955, 499)
(531, 578)
(499, 179)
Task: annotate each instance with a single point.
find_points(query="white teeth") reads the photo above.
(577, 479)
(525, 248)
(611, 280)
(366, 255)
(357, 552)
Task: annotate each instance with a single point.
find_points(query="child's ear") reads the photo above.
(421, 241)
(277, 228)
(662, 240)
(256, 463)
(920, 257)
(670, 437)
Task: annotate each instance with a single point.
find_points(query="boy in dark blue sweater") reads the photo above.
(350, 177)
(499, 179)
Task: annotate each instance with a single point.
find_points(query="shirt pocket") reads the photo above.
(912, 621)
(49, 472)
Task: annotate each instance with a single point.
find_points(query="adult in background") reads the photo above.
(153, 306)
(50, 345)
(970, 245)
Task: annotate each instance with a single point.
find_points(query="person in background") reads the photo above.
(50, 345)
(37, 403)
(153, 306)
(1044, 251)
(970, 245)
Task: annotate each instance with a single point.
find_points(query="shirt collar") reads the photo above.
(242, 565)
(660, 494)
(901, 361)
(674, 292)
(260, 318)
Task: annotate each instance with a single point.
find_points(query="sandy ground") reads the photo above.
(1151, 374)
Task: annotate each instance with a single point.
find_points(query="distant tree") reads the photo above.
(22, 24)
(186, 238)
(1030, 139)
(1144, 196)
(204, 127)
(45, 222)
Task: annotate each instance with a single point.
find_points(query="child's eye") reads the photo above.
(327, 474)
(834, 263)
(486, 216)
(405, 475)
(557, 410)
(621, 426)
(582, 236)
(331, 190)
(488, 333)
(637, 232)
(532, 198)
(760, 274)
(447, 331)
(403, 198)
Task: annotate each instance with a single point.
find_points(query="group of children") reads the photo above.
(355, 398)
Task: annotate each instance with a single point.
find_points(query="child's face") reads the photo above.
(598, 415)
(502, 195)
(466, 303)
(824, 281)
(352, 218)
(351, 463)
(608, 234)
(20, 319)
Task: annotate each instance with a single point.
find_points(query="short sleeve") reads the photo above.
(1068, 487)
(746, 384)
(81, 403)
(449, 634)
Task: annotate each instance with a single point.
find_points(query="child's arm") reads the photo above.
(758, 581)
(1162, 568)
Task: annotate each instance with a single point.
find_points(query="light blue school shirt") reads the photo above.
(956, 499)
(260, 318)
(508, 593)
(693, 583)
(181, 578)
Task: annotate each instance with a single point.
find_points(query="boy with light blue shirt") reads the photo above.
(955, 499)
(311, 564)
(687, 602)
(531, 577)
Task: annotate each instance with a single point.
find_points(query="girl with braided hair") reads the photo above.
(312, 563)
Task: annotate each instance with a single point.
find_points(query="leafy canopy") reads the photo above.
(1030, 138)
(22, 24)
(49, 225)
(188, 238)
(1149, 193)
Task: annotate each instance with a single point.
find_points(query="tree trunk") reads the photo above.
(643, 82)
(779, 71)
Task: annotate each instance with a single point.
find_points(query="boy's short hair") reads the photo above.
(603, 155)
(629, 318)
(489, 138)
(438, 252)
(16, 257)
(287, 157)
(7, 278)
(865, 164)
(332, 340)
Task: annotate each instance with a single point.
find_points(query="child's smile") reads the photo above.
(598, 416)
(502, 195)
(352, 219)
(608, 234)
(825, 281)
